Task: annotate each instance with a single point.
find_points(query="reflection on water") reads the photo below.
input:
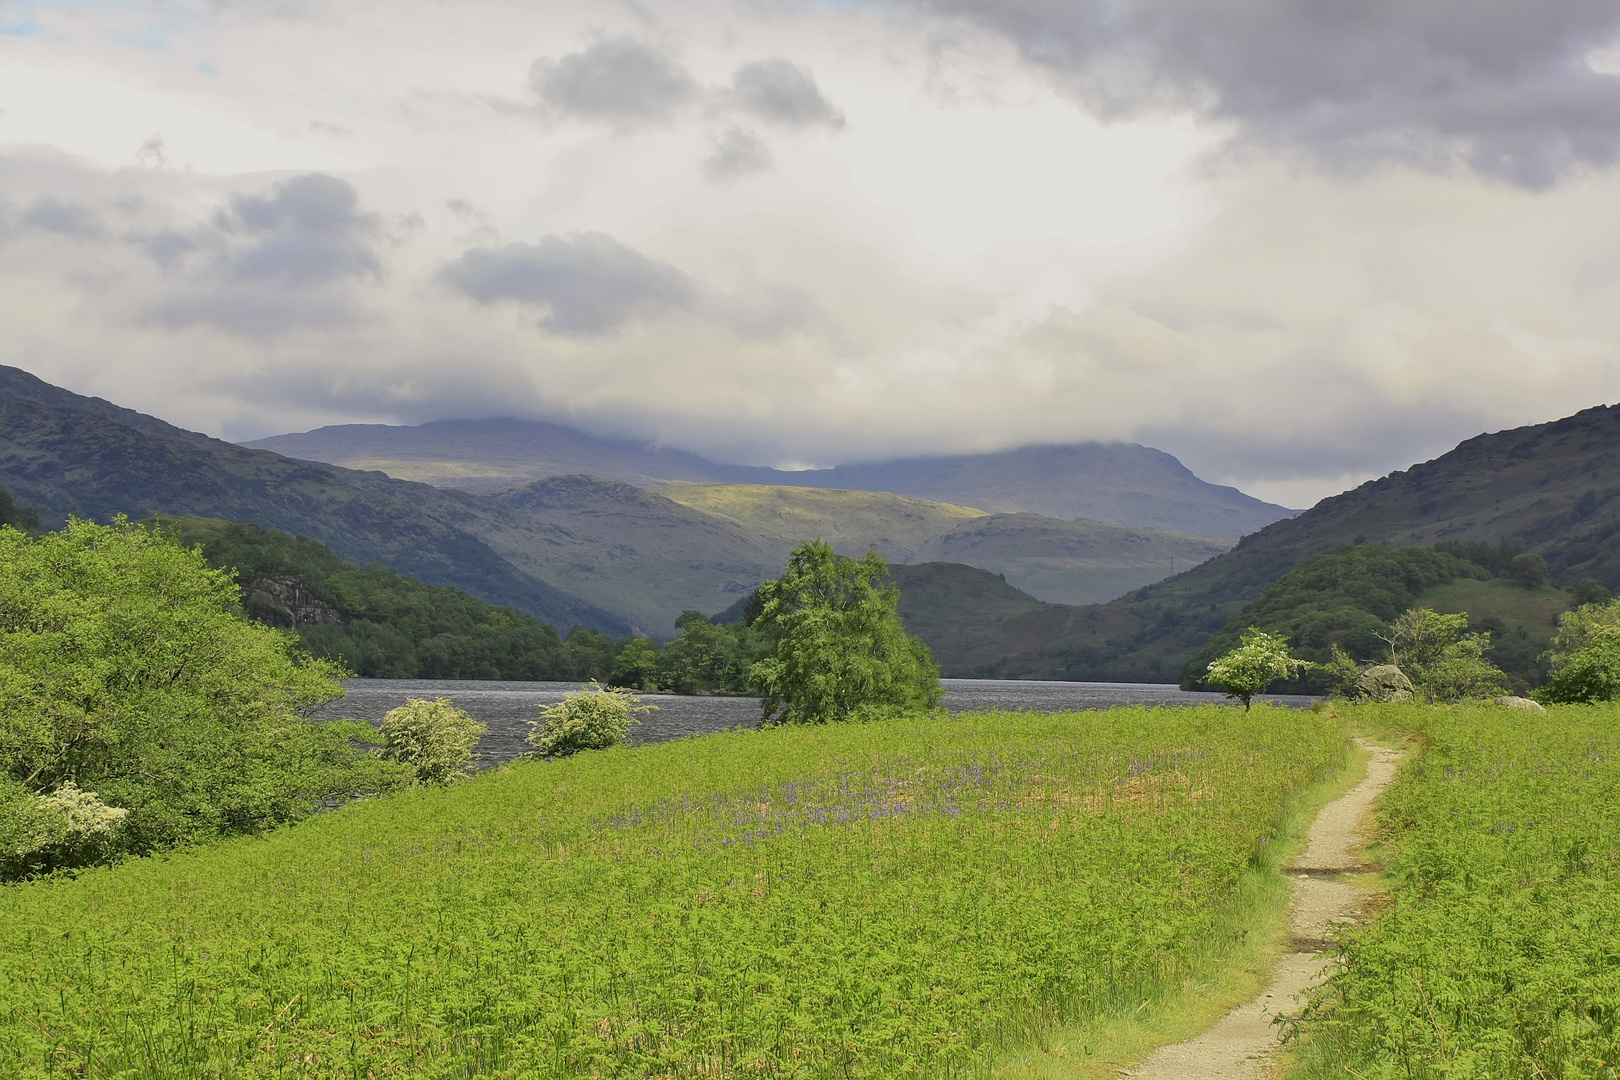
(508, 707)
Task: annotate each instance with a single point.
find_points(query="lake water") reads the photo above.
(508, 707)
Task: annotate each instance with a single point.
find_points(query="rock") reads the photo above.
(1508, 701)
(1383, 682)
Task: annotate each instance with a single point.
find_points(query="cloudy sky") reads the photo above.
(1296, 243)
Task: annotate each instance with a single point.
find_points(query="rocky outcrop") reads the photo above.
(283, 600)
(1510, 702)
(1383, 682)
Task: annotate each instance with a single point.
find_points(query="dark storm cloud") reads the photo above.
(619, 81)
(1501, 85)
(781, 92)
(587, 284)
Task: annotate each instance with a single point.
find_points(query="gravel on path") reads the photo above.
(1243, 1045)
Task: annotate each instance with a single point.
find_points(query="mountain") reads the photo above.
(69, 455)
(1552, 489)
(1114, 483)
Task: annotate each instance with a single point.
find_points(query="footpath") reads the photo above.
(1244, 1044)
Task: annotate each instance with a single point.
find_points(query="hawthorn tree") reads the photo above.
(836, 648)
(1259, 660)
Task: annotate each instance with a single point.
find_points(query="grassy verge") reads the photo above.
(896, 899)
(1499, 952)
(1250, 931)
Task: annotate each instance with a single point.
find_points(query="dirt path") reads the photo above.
(1240, 1046)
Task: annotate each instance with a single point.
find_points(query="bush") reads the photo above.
(433, 737)
(68, 827)
(1590, 675)
(594, 719)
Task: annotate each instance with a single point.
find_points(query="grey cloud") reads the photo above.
(310, 230)
(270, 262)
(587, 284)
(781, 92)
(736, 154)
(50, 214)
(1502, 87)
(619, 81)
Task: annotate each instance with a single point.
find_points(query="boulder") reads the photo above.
(1510, 702)
(1382, 682)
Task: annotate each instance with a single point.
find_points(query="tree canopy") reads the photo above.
(127, 670)
(835, 646)
(1259, 660)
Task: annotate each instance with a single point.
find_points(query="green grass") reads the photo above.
(914, 898)
(1499, 953)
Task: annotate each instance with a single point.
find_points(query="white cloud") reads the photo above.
(924, 246)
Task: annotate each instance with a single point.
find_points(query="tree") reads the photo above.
(835, 646)
(1528, 570)
(1259, 660)
(637, 665)
(594, 719)
(21, 518)
(434, 738)
(127, 669)
(1585, 655)
(1443, 660)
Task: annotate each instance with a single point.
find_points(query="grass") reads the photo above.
(1499, 952)
(848, 520)
(915, 898)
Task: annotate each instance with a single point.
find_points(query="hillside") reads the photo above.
(1547, 488)
(1068, 562)
(851, 521)
(63, 454)
(1116, 483)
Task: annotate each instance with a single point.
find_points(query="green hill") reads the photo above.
(63, 454)
(1549, 488)
(851, 521)
(378, 622)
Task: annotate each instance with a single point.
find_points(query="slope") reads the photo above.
(851, 521)
(1117, 483)
(83, 457)
(1548, 488)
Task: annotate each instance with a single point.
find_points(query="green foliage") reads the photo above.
(127, 669)
(1496, 956)
(836, 647)
(21, 518)
(374, 621)
(1528, 570)
(65, 828)
(1585, 655)
(594, 719)
(1346, 598)
(636, 666)
(1445, 663)
(434, 738)
(706, 658)
(1592, 591)
(1259, 660)
(881, 900)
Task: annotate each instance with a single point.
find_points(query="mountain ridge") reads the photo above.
(1114, 483)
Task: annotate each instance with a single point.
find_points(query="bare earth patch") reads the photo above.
(1243, 1045)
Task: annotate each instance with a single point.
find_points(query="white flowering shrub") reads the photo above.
(433, 737)
(68, 827)
(593, 719)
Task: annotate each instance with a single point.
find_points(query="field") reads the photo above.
(1499, 953)
(915, 898)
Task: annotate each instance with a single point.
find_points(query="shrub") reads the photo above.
(433, 737)
(1259, 661)
(593, 719)
(68, 827)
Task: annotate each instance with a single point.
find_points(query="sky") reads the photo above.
(1296, 244)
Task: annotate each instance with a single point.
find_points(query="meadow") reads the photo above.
(1498, 954)
(905, 898)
